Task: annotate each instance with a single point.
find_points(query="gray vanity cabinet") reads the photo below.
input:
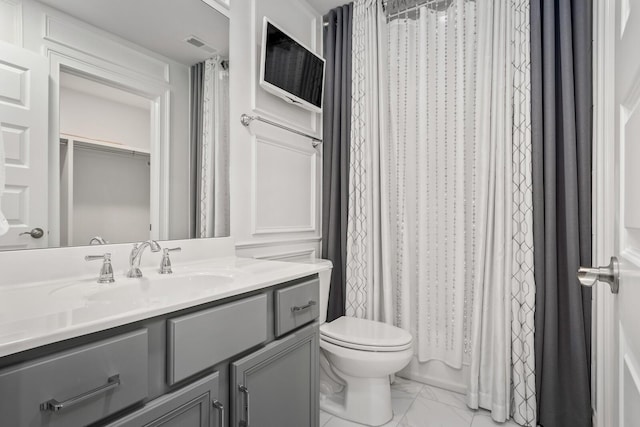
(278, 384)
(195, 405)
(254, 353)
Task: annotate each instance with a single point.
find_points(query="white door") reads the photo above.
(24, 104)
(617, 211)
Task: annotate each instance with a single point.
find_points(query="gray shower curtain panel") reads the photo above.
(561, 54)
(336, 143)
(197, 83)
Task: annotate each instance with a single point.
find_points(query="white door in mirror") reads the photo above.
(4, 224)
(24, 104)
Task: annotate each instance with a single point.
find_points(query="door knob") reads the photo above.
(36, 233)
(609, 274)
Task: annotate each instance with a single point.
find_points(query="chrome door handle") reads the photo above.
(245, 391)
(609, 274)
(54, 406)
(220, 408)
(303, 307)
(36, 233)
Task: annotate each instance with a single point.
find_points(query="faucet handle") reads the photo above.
(106, 271)
(165, 265)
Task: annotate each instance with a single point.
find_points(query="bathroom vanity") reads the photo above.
(242, 351)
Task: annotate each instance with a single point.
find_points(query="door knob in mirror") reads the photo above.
(36, 233)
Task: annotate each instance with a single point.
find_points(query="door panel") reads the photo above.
(281, 383)
(190, 406)
(627, 228)
(23, 123)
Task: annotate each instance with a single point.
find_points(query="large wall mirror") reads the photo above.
(114, 120)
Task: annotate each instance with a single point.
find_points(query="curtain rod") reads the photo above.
(246, 120)
(394, 8)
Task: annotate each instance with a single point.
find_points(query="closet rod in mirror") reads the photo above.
(246, 120)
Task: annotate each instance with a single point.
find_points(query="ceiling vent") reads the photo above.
(194, 41)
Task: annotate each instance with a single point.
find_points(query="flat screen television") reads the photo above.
(290, 70)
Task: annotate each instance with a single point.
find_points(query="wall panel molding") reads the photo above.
(276, 242)
(300, 255)
(290, 224)
(284, 189)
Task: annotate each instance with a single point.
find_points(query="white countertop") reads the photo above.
(45, 312)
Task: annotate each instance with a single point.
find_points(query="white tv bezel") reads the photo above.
(279, 92)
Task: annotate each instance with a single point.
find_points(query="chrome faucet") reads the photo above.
(98, 240)
(136, 256)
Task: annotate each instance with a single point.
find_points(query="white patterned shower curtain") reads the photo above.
(368, 273)
(502, 354)
(454, 173)
(214, 173)
(432, 143)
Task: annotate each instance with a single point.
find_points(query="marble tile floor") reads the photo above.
(419, 405)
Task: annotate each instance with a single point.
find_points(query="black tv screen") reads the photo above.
(292, 68)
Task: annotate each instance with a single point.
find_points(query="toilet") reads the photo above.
(357, 357)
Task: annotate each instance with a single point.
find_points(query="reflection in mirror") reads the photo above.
(136, 121)
(104, 163)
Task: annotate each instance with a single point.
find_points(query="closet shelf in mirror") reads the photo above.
(82, 141)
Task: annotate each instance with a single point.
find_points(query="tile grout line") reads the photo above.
(328, 419)
(404, 414)
(435, 399)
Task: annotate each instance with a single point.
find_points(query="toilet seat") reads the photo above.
(365, 335)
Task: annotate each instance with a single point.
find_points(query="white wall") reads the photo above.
(275, 174)
(47, 31)
(89, 116)
(110, 196)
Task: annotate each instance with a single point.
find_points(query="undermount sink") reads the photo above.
(169, 287)
(143, 291)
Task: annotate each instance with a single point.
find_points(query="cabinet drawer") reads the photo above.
(88, 382)
(195, 405)
(296, 306)
(200, 340)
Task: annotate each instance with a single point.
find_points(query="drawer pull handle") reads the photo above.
(245, 391)
(220, 408)
(54, 406)
(296, 308)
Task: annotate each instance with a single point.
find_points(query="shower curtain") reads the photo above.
(368, 275)
(335, 151)
(212, 163)
(502, 356)
(432, 144)
(452, 175)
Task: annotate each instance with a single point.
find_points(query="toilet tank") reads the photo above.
(325, 282)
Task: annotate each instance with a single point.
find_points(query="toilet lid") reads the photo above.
(365, 334)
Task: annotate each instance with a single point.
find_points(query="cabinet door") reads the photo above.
(278, 385)
(194, 405)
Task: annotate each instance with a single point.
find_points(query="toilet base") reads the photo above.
(363, 400)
